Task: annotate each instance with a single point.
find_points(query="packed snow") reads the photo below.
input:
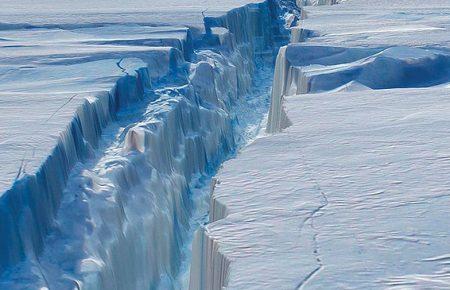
(67, 13)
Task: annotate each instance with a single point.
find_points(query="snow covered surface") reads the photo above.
(114, 117)
(53, 56)
(378, 23)
(88, 13)
(353, 195)
(348, 190)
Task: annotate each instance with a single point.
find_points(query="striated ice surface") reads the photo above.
(115, 116)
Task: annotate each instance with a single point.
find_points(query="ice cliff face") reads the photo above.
(110, 207)
(312, 69)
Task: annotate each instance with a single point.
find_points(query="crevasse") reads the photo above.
(110, 207)
(210, 268)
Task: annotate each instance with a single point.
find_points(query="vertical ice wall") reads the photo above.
(213, 260)
(28, 208)
(277, 117)
(119, 222)
(289, 79)
(209, 268)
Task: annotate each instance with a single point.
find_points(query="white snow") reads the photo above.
(353, 195)
(67, 13)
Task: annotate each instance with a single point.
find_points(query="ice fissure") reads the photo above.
(111, 207)
(349, 110)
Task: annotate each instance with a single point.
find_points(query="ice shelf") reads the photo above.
(109, 121)
(346, 187)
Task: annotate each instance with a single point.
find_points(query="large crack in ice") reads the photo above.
(254, 107)
(123, 216)
(228, 257)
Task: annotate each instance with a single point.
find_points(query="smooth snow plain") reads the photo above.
(347, 188)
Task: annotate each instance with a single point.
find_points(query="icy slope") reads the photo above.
(96, 191)
(350, 191)
(68, 94)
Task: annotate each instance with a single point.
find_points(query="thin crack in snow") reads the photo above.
(121, 67)
(316, 251)
(308, 277)
(310, 219)
(62, 106)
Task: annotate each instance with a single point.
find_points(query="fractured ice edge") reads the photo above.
(110, 206)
